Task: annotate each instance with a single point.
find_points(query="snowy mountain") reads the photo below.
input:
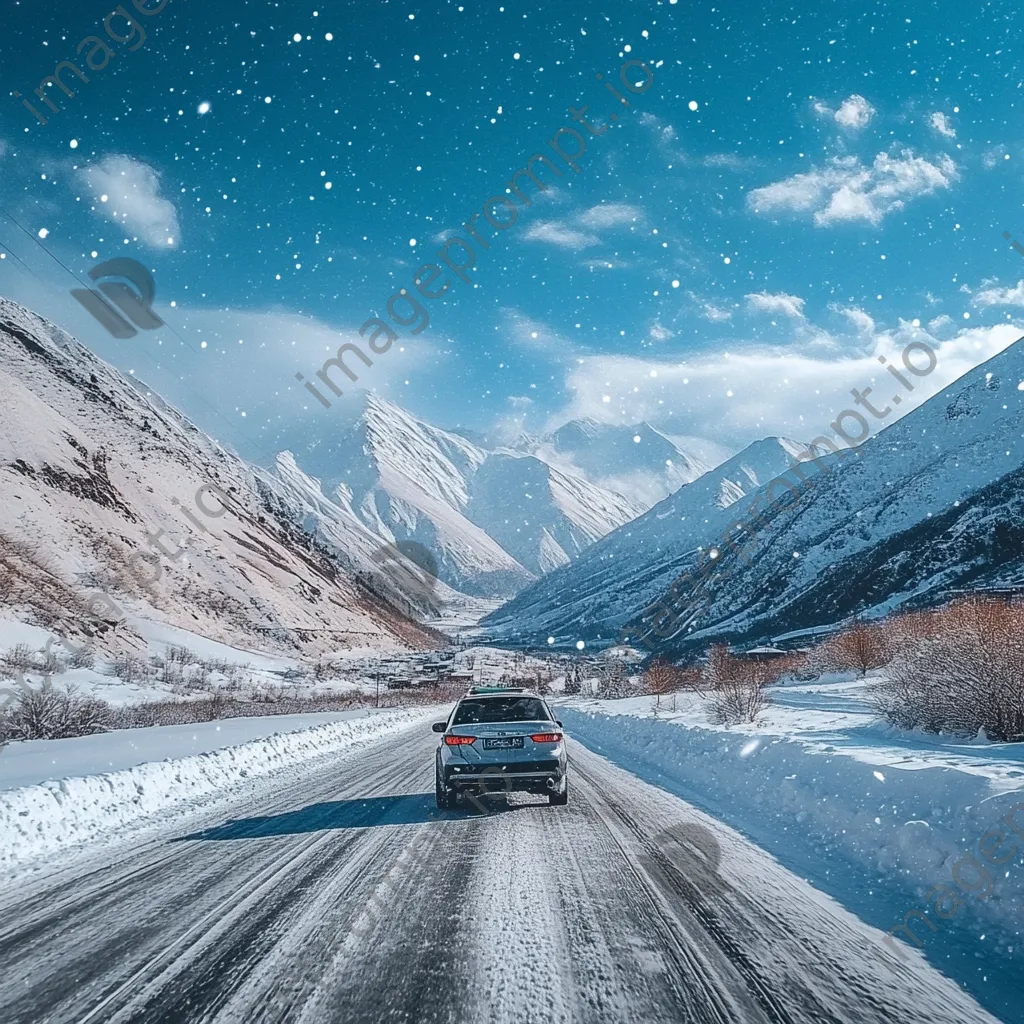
(614, 576)
(637, 460)
(494, 520)
(106, 488)
(932, 504)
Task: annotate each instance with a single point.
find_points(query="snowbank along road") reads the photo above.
(338, 892)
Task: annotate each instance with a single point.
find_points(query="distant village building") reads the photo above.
(763, 653)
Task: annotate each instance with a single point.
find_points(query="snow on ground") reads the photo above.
(40, 820)
(875, 817)
(32, 762)
(352, 668)
(161, 635)
(14, 632)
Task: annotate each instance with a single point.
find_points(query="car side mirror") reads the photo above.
(559, 724)
(439, 726)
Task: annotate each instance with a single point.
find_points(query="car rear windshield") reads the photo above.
(501, 709)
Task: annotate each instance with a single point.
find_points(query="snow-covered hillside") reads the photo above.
(99, 474)
(494, 520)
(932, 503)
(616, 574)
(636, 460)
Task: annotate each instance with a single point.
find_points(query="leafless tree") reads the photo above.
(661, 678)
(573, 680)
(966, 675)
(859, 646)
(737, 685)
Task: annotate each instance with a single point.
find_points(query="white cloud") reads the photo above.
(846, 190)
(941, 323)
(779, 302)
(529, 333)
(715, 313)
(994, 156)
(860, 320)
(659, 332)
(132, 199)
(941, 124)
(749, 391)
(665, 137)
(854, 112)
(610, 215)
(992, 295)
(558, 233)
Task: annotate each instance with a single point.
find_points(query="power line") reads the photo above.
(79, 280)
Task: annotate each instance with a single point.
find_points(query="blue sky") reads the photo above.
(802, 188)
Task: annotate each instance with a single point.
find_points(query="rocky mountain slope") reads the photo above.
(100, 475)
(931, 505)
(614, 576)
(497, 518)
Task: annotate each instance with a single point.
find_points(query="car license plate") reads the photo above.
(503, 742)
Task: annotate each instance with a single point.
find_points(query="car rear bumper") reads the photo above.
(530, 776)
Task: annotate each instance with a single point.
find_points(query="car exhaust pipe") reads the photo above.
(550, 783)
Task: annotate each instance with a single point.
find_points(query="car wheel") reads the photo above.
(560, 799)
(445, 801)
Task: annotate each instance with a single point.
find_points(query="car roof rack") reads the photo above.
(476, 691)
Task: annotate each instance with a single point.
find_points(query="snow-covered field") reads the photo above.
(33, 762)
(875, 817)
(47, 817)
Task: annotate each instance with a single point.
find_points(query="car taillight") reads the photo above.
(546, 737)
(458, 741)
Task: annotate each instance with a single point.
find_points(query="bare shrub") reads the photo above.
(172, 674)
(965, 674)
(659, 678)
(213, 708)
(131, 668)
(271, 694)
(81, 658)
(179, 655)
(858, 647)
(19, 658)
(793, 665)
(48, 713)
(737, 685)
(662, 678)
(51, 663)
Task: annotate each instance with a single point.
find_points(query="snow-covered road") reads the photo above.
(340, 893)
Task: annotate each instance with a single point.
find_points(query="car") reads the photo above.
(499, 739)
